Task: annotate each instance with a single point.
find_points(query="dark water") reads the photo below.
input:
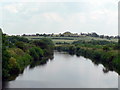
(66, 71)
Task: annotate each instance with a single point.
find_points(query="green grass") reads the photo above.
(62, 41)
(68, 39)
(86, 38)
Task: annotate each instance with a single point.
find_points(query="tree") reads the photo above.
(12, 61)
(106, 48)
(37, 34)
(101, 36)
(5, 64)
(94, 35)
(20, 45)
(36, 53)
(72, 49)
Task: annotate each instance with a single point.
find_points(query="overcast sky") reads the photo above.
(100, 16)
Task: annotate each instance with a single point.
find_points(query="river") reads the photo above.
(66, 71)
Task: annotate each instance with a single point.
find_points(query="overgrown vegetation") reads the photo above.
(104, 52)
(19, 52)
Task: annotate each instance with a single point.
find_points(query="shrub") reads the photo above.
(36, 53)
(106, 48)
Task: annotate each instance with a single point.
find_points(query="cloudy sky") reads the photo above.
(35, 16)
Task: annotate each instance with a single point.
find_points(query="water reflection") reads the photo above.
(66, 71)
(41, 62)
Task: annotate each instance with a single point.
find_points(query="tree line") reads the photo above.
(69, 34)
(19, 52)
(104, 52)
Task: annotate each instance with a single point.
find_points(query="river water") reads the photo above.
(66, 71)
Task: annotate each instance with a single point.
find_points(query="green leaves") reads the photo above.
(36, 53)
(19, 52)
(106, 48)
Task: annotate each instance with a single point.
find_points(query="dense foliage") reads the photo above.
(104, 52)
(19, 52)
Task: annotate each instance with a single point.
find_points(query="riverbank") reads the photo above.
(19, 52)
(65, 71)
(106, 54)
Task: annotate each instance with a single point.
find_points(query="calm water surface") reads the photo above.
(66, 71)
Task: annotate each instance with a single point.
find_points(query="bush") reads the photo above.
(18, 52)
(72, 50)
(36, 53)
(106, 48)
